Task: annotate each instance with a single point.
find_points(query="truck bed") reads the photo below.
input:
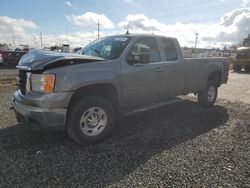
(198, 68)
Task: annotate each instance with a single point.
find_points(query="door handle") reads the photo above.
(138, 64)
(159, 69)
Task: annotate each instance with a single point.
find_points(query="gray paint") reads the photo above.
(137, 85)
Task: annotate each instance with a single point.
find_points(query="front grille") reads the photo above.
(22, 81)
(242, 55)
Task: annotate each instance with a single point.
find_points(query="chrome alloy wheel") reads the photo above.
(211, 93)
(93, 121)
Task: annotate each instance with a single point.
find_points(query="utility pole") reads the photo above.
(66, 33)
(41, 38)
(196, 39)
(98, 28)
(14, 43)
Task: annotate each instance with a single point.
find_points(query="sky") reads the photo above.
(218, 22)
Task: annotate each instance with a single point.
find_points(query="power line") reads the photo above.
(204, 10)
(179, 13)
(183, 6)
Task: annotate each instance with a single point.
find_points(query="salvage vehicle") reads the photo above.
(242, 59)
(10, 59)
(115, 76)
(1, 59)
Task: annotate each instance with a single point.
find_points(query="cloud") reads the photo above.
(15, 29)
(245, 3)
(69, 4)
(140, 21)
(229, 18)
(74, 39)
(232, 27)
(20, 30)
(129, 1)
(91, 19)
(239, 23)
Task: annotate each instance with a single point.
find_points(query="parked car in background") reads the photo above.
(1, 59)
(242, 59)
(11, 58)
(112, 77)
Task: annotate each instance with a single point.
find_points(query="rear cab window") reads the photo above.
(169, 49)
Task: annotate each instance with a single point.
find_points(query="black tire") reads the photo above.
(237, 68)
(204, 98)
(82, 106)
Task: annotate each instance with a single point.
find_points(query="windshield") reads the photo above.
(106, 48)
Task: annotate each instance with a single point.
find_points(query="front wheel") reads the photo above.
(90, 119)
(209, 95)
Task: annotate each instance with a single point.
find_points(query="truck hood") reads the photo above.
(41, 60)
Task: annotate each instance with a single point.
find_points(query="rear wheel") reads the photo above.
(90, 120)
(236, 68)
(209, 95)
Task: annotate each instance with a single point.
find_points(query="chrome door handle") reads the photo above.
(158, 69)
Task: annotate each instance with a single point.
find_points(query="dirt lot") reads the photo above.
(8, 78)
(181, 145)
(237, 89)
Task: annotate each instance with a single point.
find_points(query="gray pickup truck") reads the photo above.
(87, 92)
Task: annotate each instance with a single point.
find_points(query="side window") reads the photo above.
(147, 43)
(169, 50)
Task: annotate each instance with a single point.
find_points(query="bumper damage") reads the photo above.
(39, 118)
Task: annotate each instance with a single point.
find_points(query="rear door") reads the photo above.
(143, 84)
(174, 67)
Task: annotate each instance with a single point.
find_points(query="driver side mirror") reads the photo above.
(143, 57)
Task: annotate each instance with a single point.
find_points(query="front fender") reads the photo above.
(70, 78)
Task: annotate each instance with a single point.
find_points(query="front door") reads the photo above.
(143, 83)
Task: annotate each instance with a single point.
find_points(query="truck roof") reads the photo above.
(141, 35)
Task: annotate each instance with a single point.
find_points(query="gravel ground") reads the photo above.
(181, 145)
(8, 72)
(8, 78)
(237, 89)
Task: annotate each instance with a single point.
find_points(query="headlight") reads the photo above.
(43, 82)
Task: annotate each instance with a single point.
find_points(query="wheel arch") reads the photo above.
(106, 91)
(215, 76)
